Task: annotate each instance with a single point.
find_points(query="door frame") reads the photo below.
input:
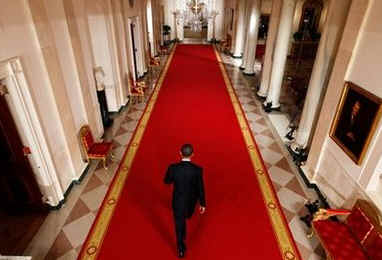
(11, 138)
(30, 129)
(134, 49)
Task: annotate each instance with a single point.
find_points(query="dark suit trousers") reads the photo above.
(180, 229)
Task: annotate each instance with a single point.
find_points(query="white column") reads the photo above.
(175, 26)
(253, 30)
(269, 50)
(325, 56)
(240, 30)
(248, 5)
(281, 52)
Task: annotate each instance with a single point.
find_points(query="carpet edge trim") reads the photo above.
(285, 240)
(93, 242)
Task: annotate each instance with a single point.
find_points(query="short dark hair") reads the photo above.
(186, 150)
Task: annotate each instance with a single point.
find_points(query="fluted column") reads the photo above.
(280, 55)
(269, 50)
(240, 30)
(253, 31)
(323, 65)
(248, 5)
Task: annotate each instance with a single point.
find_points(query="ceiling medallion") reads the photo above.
(131, 3)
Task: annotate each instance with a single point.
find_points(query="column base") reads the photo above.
(260, 97)
(296, 149)
(249, 74)
(268, 107)
(299, 156)
(237, 57)
(213, 41)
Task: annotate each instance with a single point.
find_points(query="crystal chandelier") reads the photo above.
(196, 6)
(195, 15)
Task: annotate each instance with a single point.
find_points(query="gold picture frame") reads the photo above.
(356, 119)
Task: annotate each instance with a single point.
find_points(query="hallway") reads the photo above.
(82, 206)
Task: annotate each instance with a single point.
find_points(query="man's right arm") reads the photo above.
(169, 178)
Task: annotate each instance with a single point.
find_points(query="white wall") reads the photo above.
(342, 179)
(102, 53)
(21, 41)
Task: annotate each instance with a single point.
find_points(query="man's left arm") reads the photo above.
(202, 198)
(168, 179)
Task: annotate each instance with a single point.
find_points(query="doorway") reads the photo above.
(134, 46)
(21, 207)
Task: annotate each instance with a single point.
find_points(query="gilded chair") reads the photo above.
(153, 63)
(137, 92)
(163, 49)
(225, 45)
(94, 150)
(137, 83)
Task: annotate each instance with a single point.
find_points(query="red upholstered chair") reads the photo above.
(94, 150)
(359, 237)
(163, 49)
(373, 244)
(260, 51)
(137, 83)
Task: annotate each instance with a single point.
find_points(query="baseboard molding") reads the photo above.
(309, 184)
(249, 74)
(120, 109)
(237, 57)
(69, 189)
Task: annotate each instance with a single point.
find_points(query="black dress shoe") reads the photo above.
(180, 252)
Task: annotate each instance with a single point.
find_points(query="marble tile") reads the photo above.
(304, 252)
(244, 100)
(79, 210)
(121, 131)
(290, 200)
(130, 125)
(120, 151)
(136, 115)
(124, 138)
(93, 183)
(283, 164)
(295, 186)
(93, 198)
(70, 255)
(280, 176)
(60, 246)
(257, 128)
(299, 231)
(270, 156)
(77, 230)
(275, 147)
(314, 256)
(253, 116)
(265, 141)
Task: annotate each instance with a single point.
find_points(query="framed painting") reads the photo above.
(355, 121)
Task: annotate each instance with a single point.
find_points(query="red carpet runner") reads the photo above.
(193, 103)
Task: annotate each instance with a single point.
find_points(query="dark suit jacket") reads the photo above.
(187, 178)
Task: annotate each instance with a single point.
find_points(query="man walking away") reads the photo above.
(188, 189)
